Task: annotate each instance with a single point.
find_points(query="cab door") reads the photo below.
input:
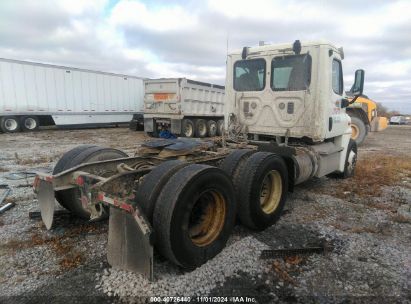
(338, 120)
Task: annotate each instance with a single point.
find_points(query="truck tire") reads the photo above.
(359, 130)
(211, 128)
(220, 127)
(62, 166)
(29, 123)
(70, 198)
(152, 183)
(201, 128)
(194, 215)
(262, 190)
(10, 124)
(350, 162)
(187, 128)
(234, 161)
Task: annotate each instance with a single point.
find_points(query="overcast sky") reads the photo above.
(189, 38)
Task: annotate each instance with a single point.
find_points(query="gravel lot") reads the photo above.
(366, 220)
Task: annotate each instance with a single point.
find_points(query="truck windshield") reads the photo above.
(291, 73)
(249, 75)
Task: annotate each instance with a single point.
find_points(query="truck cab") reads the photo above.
(294, 90)
(293, 93)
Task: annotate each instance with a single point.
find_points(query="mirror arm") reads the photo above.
(354, 99)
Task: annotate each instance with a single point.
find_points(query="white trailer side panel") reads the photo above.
(69, 95)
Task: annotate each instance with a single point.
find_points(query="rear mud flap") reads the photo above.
(45, 196)
(129, 244)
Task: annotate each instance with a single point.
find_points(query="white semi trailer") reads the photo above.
(286, 120)
(184, 107)
(35, 94)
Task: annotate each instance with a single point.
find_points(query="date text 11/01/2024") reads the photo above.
(202, 299)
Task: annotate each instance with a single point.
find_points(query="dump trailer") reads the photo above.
(364, 118)
(286, 122)
(35, 94)
(183, 107)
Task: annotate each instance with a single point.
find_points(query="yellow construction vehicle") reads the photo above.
(364, 118)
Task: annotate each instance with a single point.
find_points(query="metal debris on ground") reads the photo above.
(4, 192)
(6, 207)
(19, 175)
(284, 252)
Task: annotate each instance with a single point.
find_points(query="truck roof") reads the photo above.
(286, 46)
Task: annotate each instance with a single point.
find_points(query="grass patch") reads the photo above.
(373, 173)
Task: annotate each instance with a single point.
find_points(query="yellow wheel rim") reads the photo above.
(355, 131)
(270, 193)
(207, 218)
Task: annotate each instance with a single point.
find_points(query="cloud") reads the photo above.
(176, 38)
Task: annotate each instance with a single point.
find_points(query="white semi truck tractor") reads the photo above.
(285, 123)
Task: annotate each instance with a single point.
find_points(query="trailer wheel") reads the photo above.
(187, 128)
(211, 128)
(262, 190)
(10, 124)
(201, 128)
(359, 130)
(194, 215)
(70, 198)
(152, 183)
(29, 123)
(62, 165)
(220, 127)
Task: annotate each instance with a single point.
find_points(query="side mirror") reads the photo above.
(344, 103)
(358, 85)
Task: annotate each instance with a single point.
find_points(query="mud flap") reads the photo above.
(129, 244)
(45, 195)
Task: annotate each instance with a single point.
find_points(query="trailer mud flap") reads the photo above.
(45, 195)
(129, 244)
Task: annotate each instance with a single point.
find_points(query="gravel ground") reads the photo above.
(369, 237)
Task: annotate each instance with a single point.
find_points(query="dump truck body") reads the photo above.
(167, 102)
(33, 94)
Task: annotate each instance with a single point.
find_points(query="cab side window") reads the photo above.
(337, 77)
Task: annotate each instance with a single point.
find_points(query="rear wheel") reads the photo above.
(211, 128)
(194, 215)
(71, 198)
(358, 130)
(29, 123)
(262, 190)
(201, 128)
(187, 128)
(152, 183)
(62, 165)
(220, 127)
(10, 124)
